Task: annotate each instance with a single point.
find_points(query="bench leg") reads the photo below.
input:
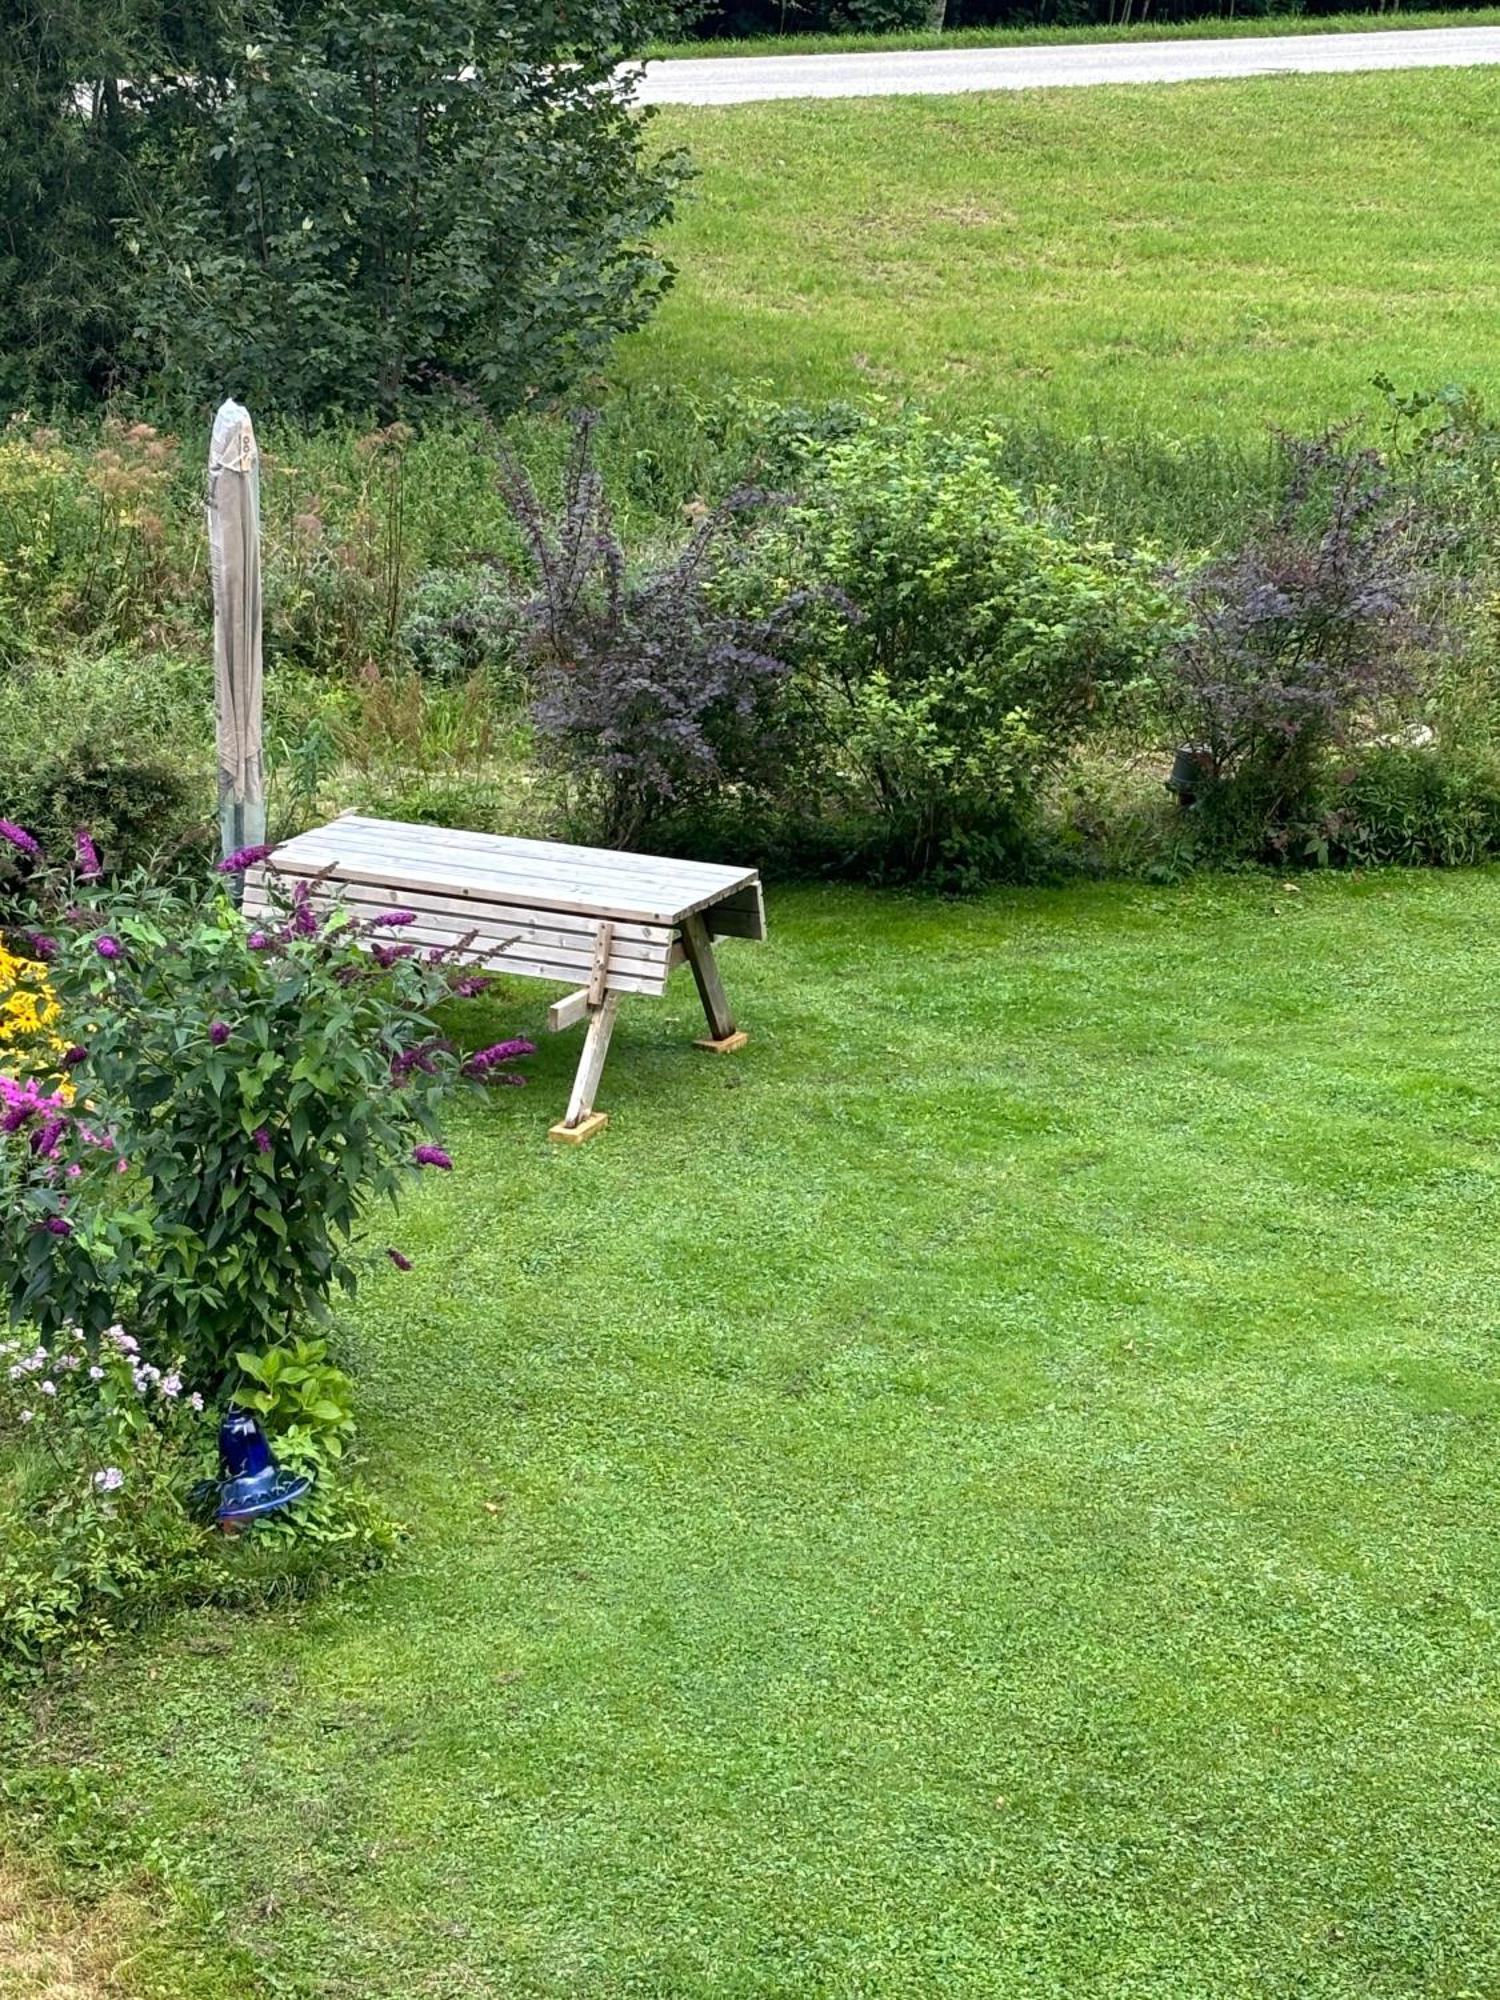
(696, 943)
(581, 1121)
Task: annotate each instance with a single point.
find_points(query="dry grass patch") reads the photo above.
(51, 1950)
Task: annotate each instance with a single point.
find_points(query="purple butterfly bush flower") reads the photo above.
(483, 1061)
(74, 1056)
(27, 843)
(90, 868)
(218, 1033)
(258, 941)
(59, 1225)
(474, 984)
(24, 1101)
(432, 1156)
(40, 945)
(46, 1138)
(246, 857)
(305, 921)
(262, 1139)
(390, 920)
(401, 1263)
(418, 1056)
(108, 947)
(385, 955)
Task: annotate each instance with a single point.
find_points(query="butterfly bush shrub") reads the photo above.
(243, 1097)
(1301, 642)
(650, 695)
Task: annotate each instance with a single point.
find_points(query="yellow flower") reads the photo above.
(29, 1017)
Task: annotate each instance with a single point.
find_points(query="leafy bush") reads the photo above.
(107, 1461)
(248, 1093)
(330, 206)
(460, 622)
(953, 642)
(648, 693)
(1298, 641)
(1419, 805)
(104, 1450)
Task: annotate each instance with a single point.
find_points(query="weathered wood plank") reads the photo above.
(520, 860)
(700, 956)
(561, 931)
(741, 915)
(568, 1011)
(599, 969)
(591, 1062)
(413, 834)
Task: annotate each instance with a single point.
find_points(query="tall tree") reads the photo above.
(325, 204)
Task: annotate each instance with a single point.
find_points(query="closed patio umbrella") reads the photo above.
(234, 558)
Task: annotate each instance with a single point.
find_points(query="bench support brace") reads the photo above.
(581, 1121)
(698, 946)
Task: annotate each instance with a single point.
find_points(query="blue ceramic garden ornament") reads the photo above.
(253, 1483)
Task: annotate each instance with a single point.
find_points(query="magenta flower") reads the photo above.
(19, 837)
(433, 1156)
(401, 1263)
(485, 1064)
(305, 920)
(59, 1225)
(385, 955)
(418, 1056)
(245, 857)
(474, 983)
(262, 1139)
(90, 868)
(44, 1140)
(257, 941)
(107, 946)
(390, 920)
(218, 1033)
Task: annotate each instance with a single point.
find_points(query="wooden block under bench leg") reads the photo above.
(574, 1135)
(723, 1045)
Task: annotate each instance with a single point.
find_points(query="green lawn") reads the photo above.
(1209, 28)
(988, 1493)
(1189, 258)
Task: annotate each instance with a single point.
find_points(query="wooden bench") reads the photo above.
(613, 923)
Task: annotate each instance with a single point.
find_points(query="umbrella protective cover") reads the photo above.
(234, 561)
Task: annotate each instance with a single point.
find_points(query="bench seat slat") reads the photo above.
(455, 915)
(582, 887)
(529, 952)
(513, 853)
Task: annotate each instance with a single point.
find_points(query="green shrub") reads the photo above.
(106, 1464)
(1296, 643)
(1417, 805)
(118, 742)
(264, 1088)
(331, 206)
(456, 623)
(955, 642)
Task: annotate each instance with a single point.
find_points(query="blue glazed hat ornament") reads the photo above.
(253, 1483)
